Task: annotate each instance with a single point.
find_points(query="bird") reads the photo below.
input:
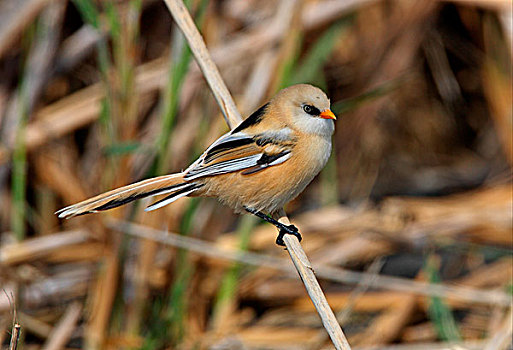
(259, 166)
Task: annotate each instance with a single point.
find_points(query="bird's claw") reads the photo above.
(287, 230)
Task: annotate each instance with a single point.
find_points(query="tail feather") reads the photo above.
(185, 191)
(117, 197)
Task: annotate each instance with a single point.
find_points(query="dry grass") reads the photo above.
(420, 178)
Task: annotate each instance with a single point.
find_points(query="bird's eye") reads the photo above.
(311, 110)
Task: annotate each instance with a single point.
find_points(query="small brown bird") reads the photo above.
(259, 166)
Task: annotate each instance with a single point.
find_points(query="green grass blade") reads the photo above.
(350, 104)
(19, 156)
(19, 171)
(438, 311)
(310, 68)
(88, 12)
(179, 67)
(91, 16)
(228, 287)
(177, 304)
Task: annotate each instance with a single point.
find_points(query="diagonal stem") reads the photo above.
(199, 49)
(232, 116)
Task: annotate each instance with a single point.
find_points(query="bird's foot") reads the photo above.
(283, 229)
(287, 230)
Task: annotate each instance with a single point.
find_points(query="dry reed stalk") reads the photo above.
(102, 298)
(361, 234)
(355, 248)
(469, 345)
(498, 90)
(345, 312)
(205, 62)
(289, 45)
(369, 302)
(495, 273)
(4, 96)
(306, 272)
(498, 5)
(39, 247)
(423, 332)
(34, 325)
(70, 284)
(258, 81)
(64, 328)
(446, 217)
(387, 326)
(36, 73)
(16, 327)
(483, 297)
(15, 16)
(141, 275)
(232, 117)
(501, 340)
(86, 252)
(262, 337)
(56, 168)
(76, 47)
(15, 336)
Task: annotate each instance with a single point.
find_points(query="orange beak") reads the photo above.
(328, 114)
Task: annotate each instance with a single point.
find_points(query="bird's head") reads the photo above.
(306, 108)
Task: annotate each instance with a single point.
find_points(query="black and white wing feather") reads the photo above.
(240, 151)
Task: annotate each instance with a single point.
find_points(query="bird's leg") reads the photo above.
(283, 229)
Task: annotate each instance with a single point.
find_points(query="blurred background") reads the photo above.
(99, 94)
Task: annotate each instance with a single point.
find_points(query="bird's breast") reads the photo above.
(270, 189)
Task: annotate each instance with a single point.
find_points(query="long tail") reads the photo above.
(173, 184)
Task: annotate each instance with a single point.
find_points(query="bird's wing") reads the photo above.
(240, 151)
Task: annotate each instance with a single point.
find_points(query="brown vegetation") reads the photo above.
(409, 227)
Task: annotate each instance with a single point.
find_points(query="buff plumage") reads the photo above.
(262, 164)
